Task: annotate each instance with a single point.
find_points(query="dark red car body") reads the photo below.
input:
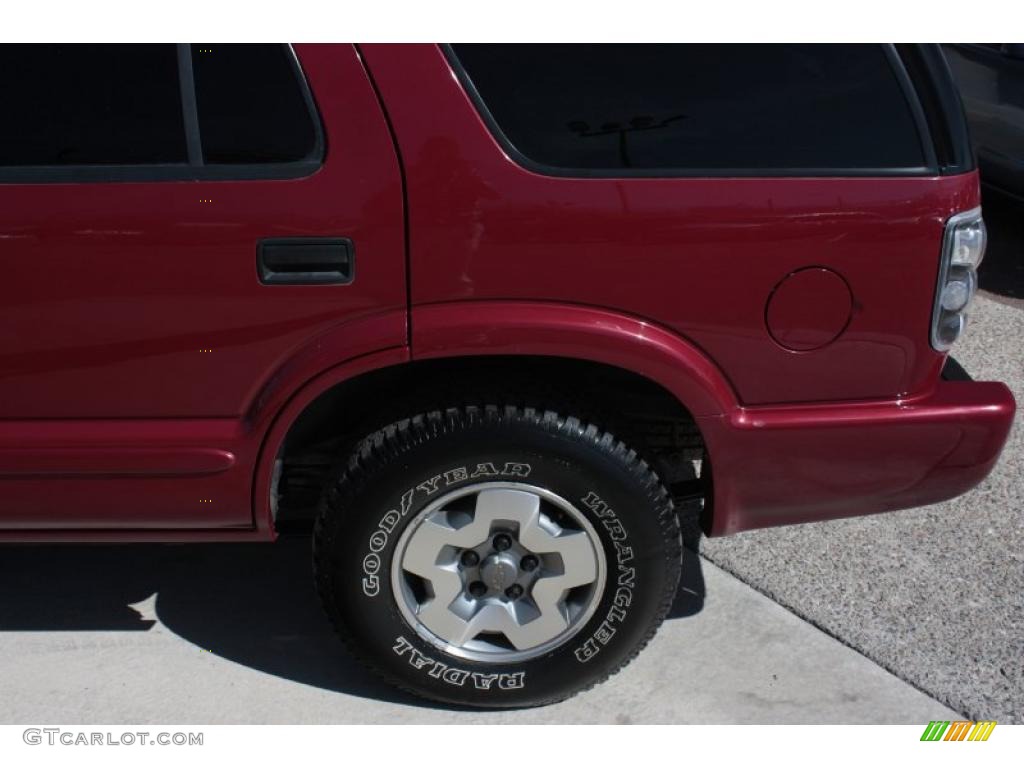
(150, 380)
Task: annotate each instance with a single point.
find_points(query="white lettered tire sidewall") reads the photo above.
(398, 472)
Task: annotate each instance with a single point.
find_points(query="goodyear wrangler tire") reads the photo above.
(496, 557)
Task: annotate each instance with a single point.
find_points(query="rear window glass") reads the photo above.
(690, 107)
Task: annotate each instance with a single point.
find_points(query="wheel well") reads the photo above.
(635, 409)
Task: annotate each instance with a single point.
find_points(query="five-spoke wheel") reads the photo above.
(498, 572)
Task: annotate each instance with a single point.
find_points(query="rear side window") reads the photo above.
(691, 108)
(90, 105)
(153, 112)
(251, 105)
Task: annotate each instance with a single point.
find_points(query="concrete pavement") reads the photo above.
(233, 634)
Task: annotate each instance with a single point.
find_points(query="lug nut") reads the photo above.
(469, 558)
(477, 589)
(514, 592)
(529, 563)
(502, 542)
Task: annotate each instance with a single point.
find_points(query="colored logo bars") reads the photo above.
(960, 730)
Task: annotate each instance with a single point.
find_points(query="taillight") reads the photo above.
(963, 247)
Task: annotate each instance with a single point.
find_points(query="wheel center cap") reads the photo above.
(499, 571)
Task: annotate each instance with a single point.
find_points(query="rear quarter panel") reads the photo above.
(699, 256)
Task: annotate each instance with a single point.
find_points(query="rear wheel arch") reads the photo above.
(589, 361)
(331, 417)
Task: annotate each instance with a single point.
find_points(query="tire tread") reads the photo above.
(387, 444)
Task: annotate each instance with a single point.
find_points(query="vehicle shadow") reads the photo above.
(253, 604)
(1002, 271)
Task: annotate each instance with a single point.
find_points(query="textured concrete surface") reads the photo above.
(935, 594)
(234, 634)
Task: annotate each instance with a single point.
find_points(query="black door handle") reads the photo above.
(305, 260)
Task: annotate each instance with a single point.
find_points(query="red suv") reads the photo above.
(494, 315)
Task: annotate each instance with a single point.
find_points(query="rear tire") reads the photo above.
(496, 557)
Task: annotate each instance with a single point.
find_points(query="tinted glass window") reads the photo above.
(697, 106)
(70, 105)
(251, 104)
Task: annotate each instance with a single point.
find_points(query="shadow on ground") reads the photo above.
(253, 604)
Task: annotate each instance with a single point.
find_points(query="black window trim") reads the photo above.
(931, 167)
(195, 169)
(939, 96)
(189, 105)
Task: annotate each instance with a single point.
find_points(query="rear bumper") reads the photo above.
(796, 464)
